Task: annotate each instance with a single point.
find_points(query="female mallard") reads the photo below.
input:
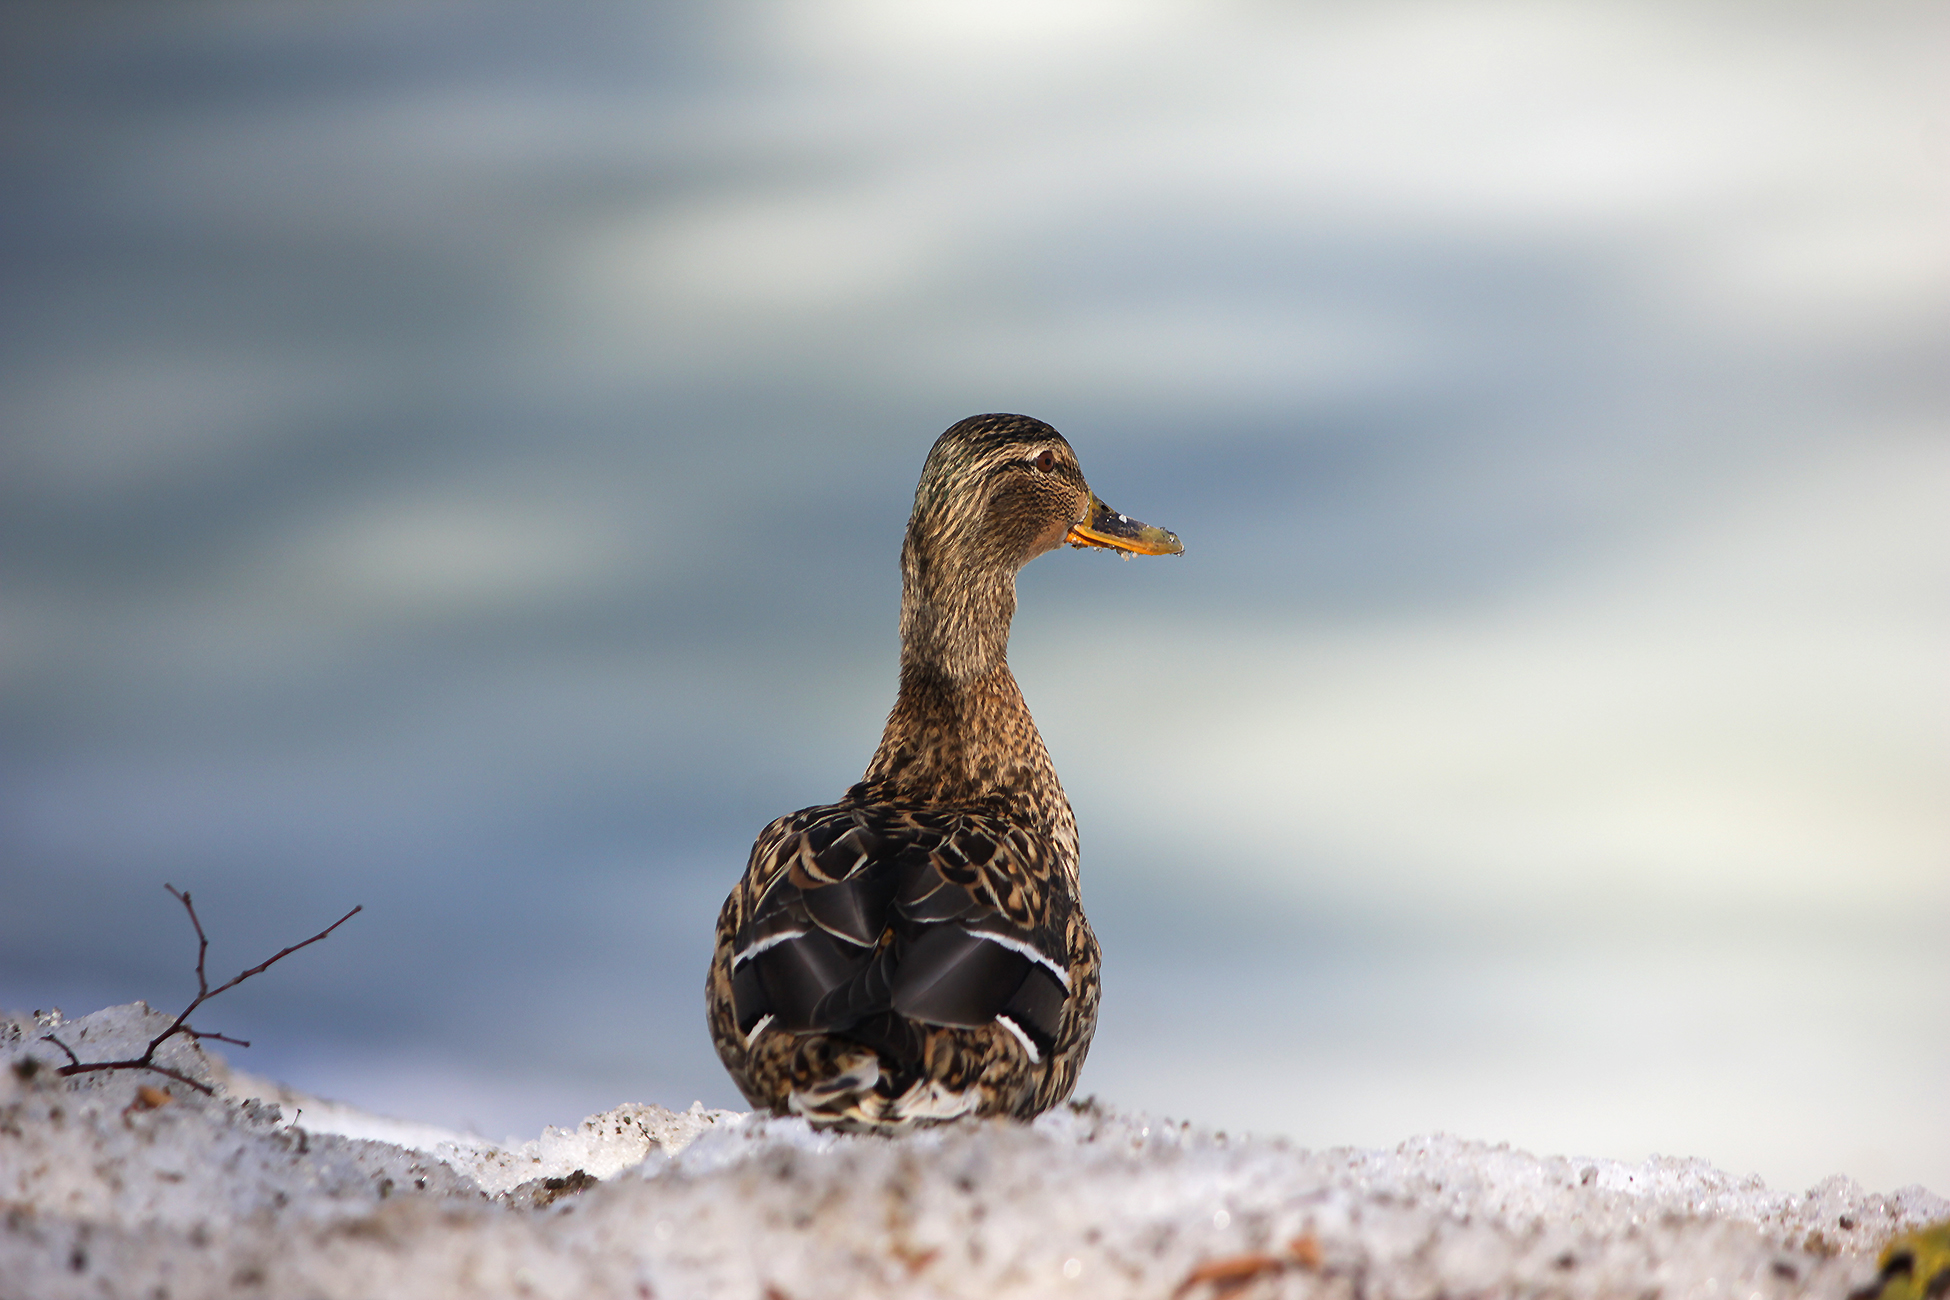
(917, 951)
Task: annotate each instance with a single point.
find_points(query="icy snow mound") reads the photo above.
(108, 1190)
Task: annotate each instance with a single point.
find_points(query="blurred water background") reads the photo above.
(455, 457)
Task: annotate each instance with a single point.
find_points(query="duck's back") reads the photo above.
(883, 965)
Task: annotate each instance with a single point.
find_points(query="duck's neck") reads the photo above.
(954, 618)
(960, 734)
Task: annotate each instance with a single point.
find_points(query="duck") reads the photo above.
(917, 952)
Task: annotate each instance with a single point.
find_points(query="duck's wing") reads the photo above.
(868, 917)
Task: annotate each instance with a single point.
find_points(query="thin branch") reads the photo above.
(181, 1025)
(266, 965)
(202, 942)
(199, 1036)
(138, 1063)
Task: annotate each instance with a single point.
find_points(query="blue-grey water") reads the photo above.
(453, 459)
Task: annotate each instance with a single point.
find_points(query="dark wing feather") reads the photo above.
(939, 918)
(950, 975)
(1037, 1008)
(926, 896)
(853, 909)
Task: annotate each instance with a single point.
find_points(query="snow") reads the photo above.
(111, 1190)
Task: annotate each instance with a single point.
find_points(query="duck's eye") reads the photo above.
(1045, 461)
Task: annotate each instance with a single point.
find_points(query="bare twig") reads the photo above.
(181, 1025)
(199, 1035)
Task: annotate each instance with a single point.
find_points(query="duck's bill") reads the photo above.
(1117, 532)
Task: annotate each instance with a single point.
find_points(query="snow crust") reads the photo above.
(107, 1191)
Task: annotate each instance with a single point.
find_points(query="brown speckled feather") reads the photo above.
(918, 950)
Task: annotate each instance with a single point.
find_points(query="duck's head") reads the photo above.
(996, 492)
(999, 490)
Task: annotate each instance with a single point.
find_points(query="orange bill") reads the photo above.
(1118, 532)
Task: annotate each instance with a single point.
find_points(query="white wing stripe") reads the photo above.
(773, 941)
(1035, 1057)
(1030, 951)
